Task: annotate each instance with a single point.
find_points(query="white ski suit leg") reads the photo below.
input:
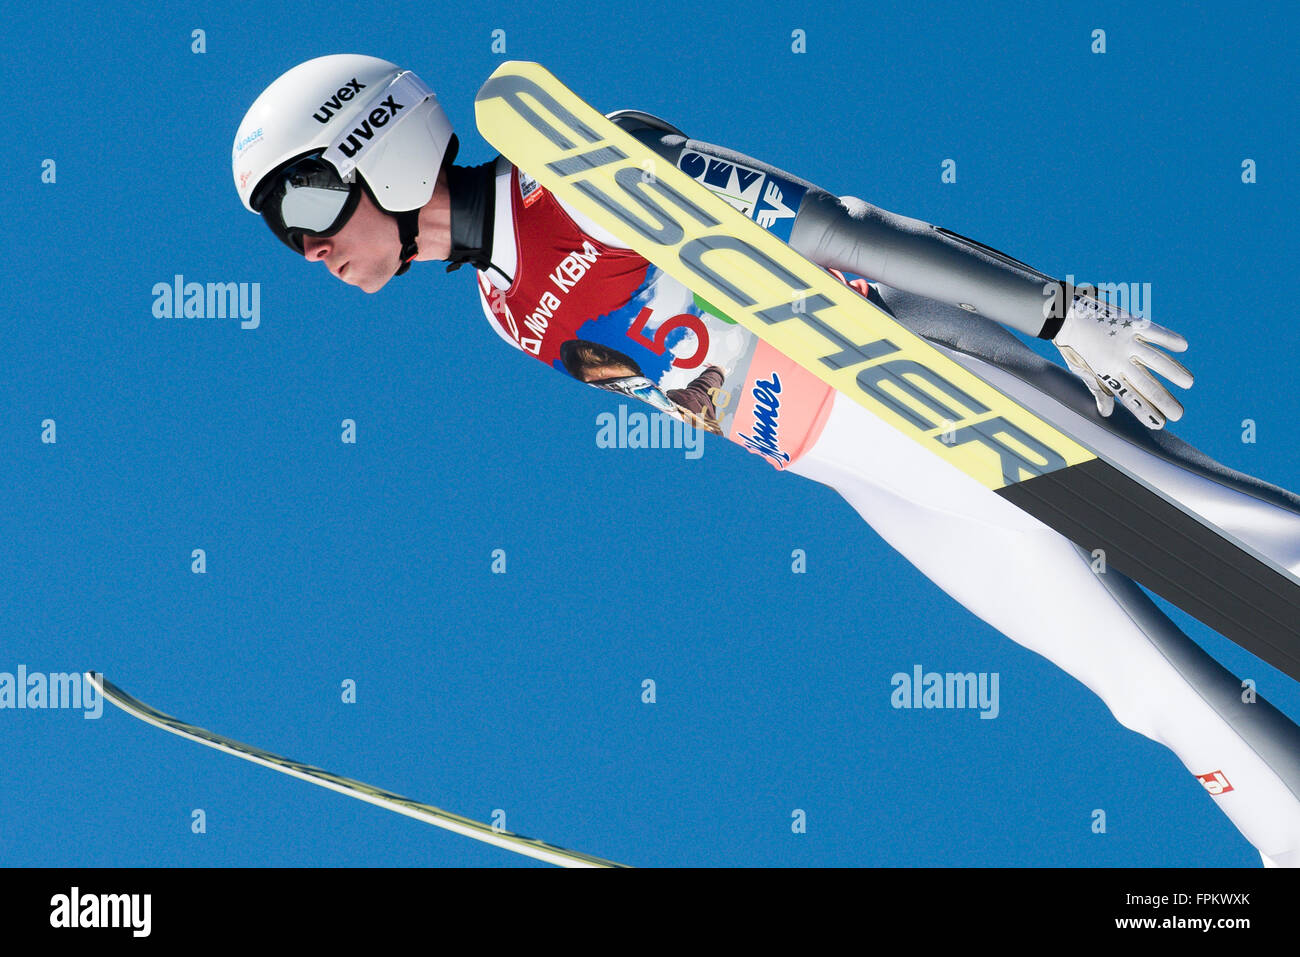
(1038, 588)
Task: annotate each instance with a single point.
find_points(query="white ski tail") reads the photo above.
(528, 846)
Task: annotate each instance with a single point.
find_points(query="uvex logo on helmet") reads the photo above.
(345, 93)
(377, 117)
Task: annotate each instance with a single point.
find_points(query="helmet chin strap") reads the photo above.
(472, 201)
(408, 228)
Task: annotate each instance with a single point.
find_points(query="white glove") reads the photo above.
(1111, 351)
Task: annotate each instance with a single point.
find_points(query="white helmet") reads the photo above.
(330, 127)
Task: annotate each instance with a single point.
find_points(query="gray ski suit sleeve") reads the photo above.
(850, 234)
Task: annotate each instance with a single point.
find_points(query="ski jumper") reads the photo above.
(573, 296)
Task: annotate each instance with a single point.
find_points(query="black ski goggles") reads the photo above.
(306, 198)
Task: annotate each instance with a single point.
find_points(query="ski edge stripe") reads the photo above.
(519, 844)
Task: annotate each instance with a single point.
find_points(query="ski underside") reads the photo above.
(528, 846)
(1062, 479)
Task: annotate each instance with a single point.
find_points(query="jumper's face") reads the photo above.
(596, 373)
(365, 253)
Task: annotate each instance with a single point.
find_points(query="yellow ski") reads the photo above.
(802, 311)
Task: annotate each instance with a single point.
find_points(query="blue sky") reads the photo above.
(372, 562)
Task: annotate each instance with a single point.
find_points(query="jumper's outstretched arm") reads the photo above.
(1111, 350)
